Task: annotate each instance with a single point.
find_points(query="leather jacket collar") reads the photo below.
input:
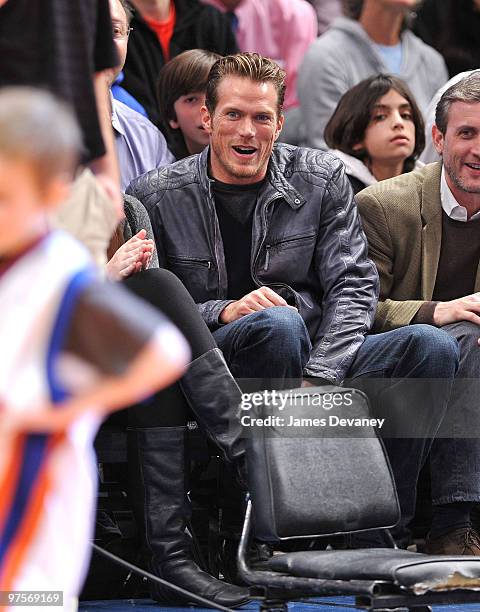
(276, 184)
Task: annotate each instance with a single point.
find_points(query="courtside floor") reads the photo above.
(146, 605)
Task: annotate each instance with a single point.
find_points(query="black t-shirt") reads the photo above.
(235, 205)
(59, 45)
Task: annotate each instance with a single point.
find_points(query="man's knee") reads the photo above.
(466, 334)
(436, 346)
(283, 327)
(281, 320)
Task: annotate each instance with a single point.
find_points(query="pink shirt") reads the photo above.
(279, 29)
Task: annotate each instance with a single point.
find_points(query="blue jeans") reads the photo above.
(455, 455)
(408, 375)
(266, 349)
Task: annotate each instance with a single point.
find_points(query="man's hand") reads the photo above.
(316, 382)
(131, 257)
(307, 383)
(261, 298)
(463, 309)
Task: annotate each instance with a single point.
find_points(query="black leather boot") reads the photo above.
(214, 397)
(157, 464)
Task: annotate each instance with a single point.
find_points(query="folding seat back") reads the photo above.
(319, 468)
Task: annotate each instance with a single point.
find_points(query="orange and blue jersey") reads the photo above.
(47, 482)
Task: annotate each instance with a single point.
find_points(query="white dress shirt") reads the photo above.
(450, 205)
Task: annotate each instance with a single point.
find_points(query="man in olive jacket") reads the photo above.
(423, 230)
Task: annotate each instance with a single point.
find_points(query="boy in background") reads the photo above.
(72, 350)
(181, 88)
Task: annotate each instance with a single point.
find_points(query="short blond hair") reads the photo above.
(36, 127)
(251, 66)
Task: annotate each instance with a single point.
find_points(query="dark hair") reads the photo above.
(467, 90)
(251, 66)
(349, 122)
(186, 73)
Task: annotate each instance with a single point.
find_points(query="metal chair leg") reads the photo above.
(273, 605)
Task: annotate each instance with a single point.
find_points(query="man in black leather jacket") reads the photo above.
(267, 239)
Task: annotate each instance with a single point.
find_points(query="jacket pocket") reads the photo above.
(290, 242)
(195, 273)
(189, 261)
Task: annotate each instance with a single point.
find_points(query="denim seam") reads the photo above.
(456, 497)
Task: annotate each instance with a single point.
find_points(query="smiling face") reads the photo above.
(243, 128)
(390, 135)
(460, 149)
(189, 121)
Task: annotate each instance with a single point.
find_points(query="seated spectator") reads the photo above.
(267, 240)
(181, 94)
(157, 427)
(140, 145)
(122, 95)
(422, 230)
(376, 130)
(451, 27)
(119, 92)
(371, 38)
(163, 29)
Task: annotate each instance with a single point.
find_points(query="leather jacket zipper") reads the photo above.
(212, 219)
(256, 280)
(264, 229)
(267, 258)
(284, 241)
(193, 261)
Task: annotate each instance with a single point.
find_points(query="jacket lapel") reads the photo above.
(431, 211)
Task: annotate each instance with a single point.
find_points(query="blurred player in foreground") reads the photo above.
(72, 350)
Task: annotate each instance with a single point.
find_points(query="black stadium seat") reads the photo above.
(321, 479)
